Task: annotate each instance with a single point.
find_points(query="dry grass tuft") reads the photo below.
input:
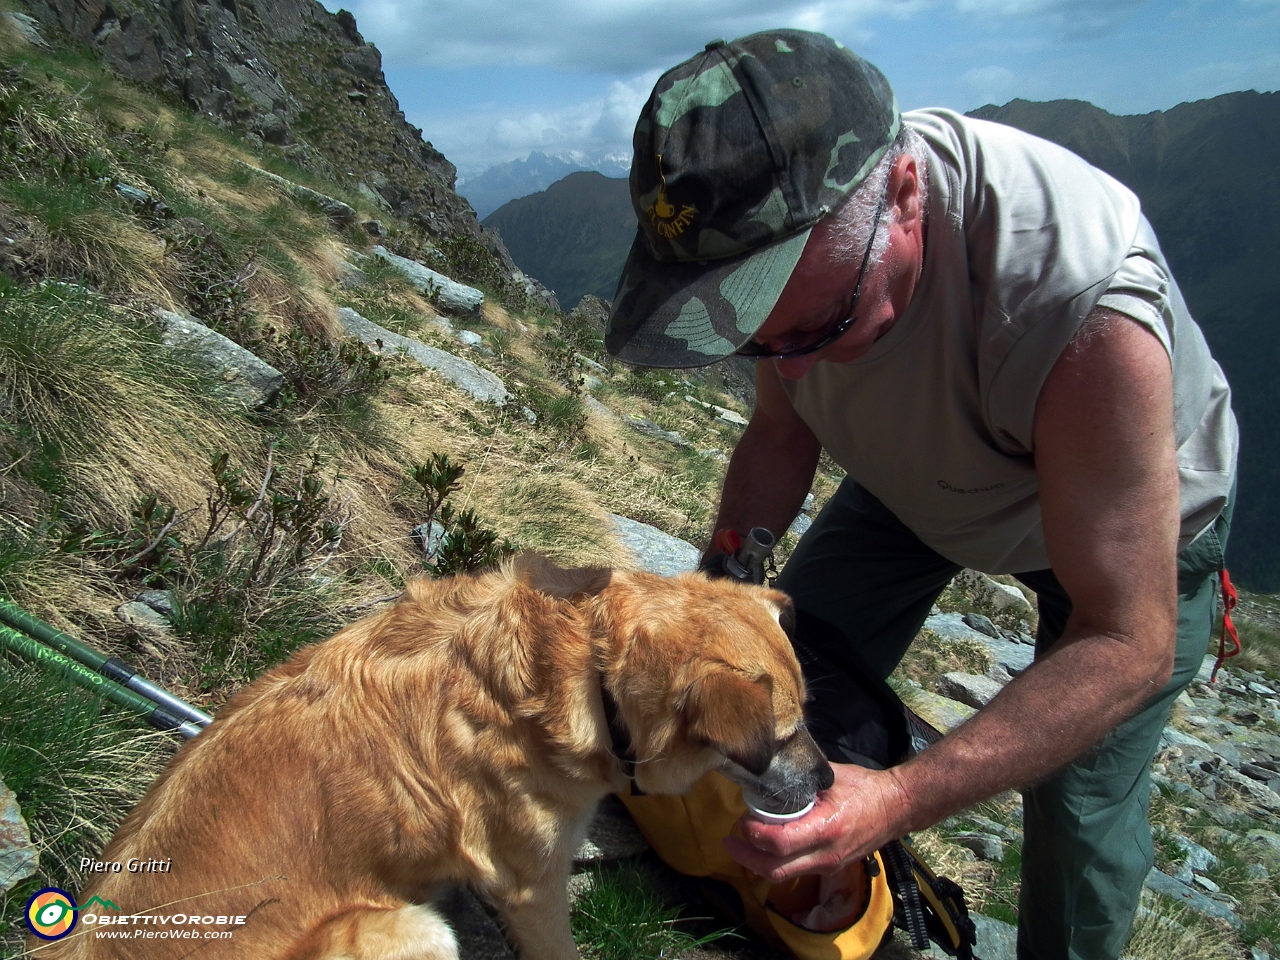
(930, 656)
(1173, 935)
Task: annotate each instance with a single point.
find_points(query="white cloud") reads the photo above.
(614, 36)
(991, 84)
(1069, 19)
(586, 131)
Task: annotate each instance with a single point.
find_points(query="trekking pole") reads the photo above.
(109, 668)
(59, 663)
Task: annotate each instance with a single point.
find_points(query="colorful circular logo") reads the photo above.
(51, 913)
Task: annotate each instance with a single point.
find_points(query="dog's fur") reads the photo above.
(457, 738)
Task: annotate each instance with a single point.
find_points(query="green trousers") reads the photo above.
(1087, 842)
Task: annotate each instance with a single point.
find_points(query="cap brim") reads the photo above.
(690, 314)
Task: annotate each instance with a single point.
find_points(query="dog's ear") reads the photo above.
(544, 576)
(733, 715)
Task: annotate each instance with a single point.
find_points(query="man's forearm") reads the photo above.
(767, 481)
(1061, 706)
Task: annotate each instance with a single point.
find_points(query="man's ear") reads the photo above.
(733, 715)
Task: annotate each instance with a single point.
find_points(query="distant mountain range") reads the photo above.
(1208, 175)
(573, 237)
(489, 190)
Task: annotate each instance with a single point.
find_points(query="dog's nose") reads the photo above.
(826, 776)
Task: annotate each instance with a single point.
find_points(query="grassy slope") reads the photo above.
(99, 417)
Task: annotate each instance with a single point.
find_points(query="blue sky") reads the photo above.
(491, 80)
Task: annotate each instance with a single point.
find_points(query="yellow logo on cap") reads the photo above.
(663, 215)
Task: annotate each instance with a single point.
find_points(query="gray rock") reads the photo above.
(997, 940)
(1013, 657)
(161, 601)
(612, 835)
(1197, 857)
(1265, 839)
(375, 228)
(19, 857)
(27, 30)
(1256, 772)
(1191, 898)
(1257, 793)
(350, 276)
(1261, 689)
(470, 338)
(478, 934)
(338, 212)
(462, 373)
(449, 294)
(132, 194)
(1206, 883)
(595, 406)
(651, 429)
(987, 825)
(1256, 871)
(800, 525)
(242, 376)
(968, 688)
(144, 619)
(807, 506)
(942, 713)
(1206, 669)
(984, 845)
(999, 596)
(372, 195)
(1256, 953)
(654, 550)
(428, 540)
(982, 624)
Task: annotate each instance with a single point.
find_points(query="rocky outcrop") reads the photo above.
(240, 375)
(285, 71)
(462, 373)
(450, 295)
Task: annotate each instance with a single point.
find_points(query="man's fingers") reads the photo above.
(777, 869)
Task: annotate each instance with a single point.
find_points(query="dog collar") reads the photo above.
(621, 740)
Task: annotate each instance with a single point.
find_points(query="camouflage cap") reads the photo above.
(738, 153)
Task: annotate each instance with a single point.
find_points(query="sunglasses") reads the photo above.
(758, 351)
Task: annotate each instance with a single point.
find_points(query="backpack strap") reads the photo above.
(945, 915)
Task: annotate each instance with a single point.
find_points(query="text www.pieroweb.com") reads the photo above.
(180, 926)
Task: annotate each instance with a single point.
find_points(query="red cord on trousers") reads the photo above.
(1229, 600)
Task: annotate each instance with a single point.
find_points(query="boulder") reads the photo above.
(452, 296)
(651, 429)
(1014, 657)
(1191, 898)
(968, 688)
(940, 712)
(462, 373)
(984, 845)
(654, 550)
(988, 592)
(19, 857)
(339, 213)
(242, 375)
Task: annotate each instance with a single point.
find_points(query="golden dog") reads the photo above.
(460, 737)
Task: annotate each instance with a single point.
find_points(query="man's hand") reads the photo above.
(861, 812)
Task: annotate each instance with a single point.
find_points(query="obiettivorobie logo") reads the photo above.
(52, 912)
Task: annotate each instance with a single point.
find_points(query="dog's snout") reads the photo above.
(826, 776)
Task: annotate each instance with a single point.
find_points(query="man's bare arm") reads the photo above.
(1106, 460)
(773, 464)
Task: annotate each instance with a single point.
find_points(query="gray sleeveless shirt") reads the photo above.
(1024, 239)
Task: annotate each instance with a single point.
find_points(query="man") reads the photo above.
(981, 330)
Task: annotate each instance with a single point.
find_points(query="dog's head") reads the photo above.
(704, 677)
